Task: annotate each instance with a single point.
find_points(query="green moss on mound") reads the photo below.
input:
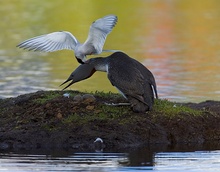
(48, 115)
(172, 109)
(49, 96)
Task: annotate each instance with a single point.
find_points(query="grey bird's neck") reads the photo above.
(99, 63)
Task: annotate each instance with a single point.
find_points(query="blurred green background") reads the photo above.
(178, 40)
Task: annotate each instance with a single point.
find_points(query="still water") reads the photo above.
(142, 159)
(178, 40)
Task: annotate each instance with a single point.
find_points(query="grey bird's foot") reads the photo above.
(118, 104)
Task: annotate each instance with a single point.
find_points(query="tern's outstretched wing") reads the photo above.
(50, 42)
(98, 33)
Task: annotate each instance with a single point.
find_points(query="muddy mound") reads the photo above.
(71, 119)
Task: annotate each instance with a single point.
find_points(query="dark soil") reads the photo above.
(47, 119)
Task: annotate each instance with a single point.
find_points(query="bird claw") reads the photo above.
(117, 104)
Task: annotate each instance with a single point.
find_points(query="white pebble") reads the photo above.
(66, 95)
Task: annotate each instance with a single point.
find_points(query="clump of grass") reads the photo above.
(173, 109)
(48, 96)
(113, 112)
(101, 113)
(108, 95)
(72, 118)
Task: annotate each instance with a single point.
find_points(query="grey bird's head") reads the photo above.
(82, 72)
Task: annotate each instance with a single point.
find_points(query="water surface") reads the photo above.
(177, 40)
(141, 159)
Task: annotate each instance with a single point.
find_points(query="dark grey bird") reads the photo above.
(133, 80)
(65, 40)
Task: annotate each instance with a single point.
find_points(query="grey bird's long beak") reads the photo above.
(82, 72)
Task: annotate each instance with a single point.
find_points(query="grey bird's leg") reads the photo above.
(118, 104)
